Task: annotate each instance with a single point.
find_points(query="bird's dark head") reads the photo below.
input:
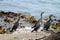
(42, 13)
(51, 17)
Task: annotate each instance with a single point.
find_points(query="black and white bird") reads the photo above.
(38, 24)
(48, 23)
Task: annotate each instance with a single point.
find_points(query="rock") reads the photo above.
(22, 16)
(22, 26)
(2, 31)
(1, 14)
(25, 15)
(57, 26)
(31, 19)
(53, 36)
(58, 20)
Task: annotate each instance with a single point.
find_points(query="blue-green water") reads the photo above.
(34, 7)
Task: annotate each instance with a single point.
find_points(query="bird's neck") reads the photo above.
(18, 20)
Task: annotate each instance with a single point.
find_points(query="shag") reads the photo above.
(38, 24)
(48, 23)
(16, 24)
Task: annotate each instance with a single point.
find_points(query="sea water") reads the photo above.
(34, 7)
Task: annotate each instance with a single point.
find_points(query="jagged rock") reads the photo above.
(1, 14)
(54, 36)
(2, 31)
(57, 26)
(7, 20)
(25, 15)
(32, 19)
(22, 26)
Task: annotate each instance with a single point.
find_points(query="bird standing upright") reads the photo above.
(48, 23)
(38, 24)
(16, 24)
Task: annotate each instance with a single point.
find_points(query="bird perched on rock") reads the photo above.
(16, 24)
(38, 24)
(48, 23)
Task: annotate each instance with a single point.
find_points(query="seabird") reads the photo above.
(38, 24)
(16, 24)
(48, 23)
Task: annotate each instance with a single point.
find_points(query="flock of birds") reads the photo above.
(37, 25)
(46, 25)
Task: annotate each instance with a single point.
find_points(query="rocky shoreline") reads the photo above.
(7, 20)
